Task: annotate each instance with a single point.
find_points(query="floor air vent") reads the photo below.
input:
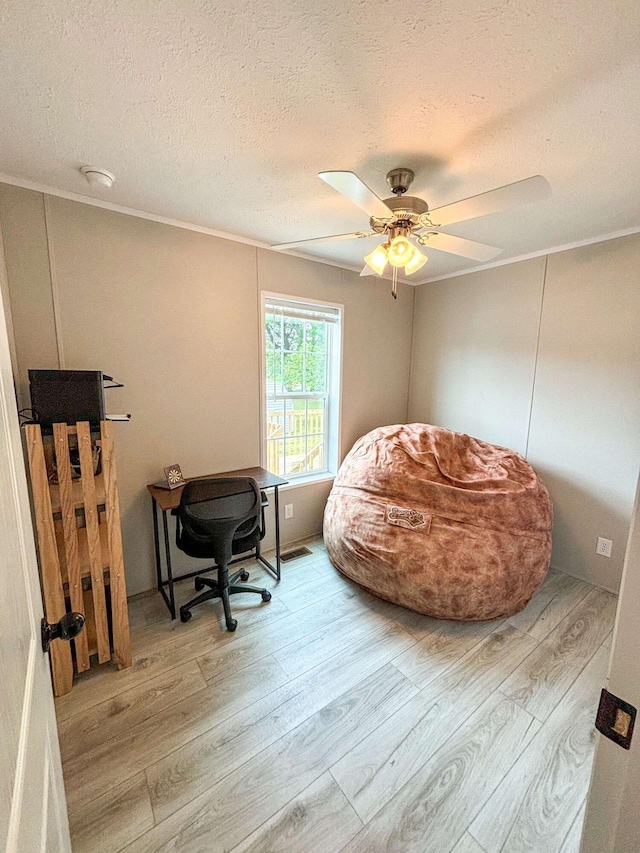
(293, 555)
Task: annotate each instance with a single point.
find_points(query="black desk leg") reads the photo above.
(172, 600)
(156, 544)
(276, 502)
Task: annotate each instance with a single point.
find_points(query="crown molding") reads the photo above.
(248, 241)
(163, 220)
(540, 253)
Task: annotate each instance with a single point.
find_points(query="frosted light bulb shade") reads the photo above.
(400, 252)
(416, 263)
(377, 260)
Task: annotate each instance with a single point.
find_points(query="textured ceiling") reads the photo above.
(221, 114)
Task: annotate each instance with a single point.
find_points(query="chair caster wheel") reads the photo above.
(185, 615)
(232, 625)
(244, 577)
(266, 595)
(199, 585)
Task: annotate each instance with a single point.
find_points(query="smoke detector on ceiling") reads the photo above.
(99, 179)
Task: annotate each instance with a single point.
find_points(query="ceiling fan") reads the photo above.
(403, 216)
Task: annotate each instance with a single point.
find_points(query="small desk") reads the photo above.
(168, 499)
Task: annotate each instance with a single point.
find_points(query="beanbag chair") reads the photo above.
(439, 522)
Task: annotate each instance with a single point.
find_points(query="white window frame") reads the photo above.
(334, 387)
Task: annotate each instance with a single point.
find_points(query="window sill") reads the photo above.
(308, 481)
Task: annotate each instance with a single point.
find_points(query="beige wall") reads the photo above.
(174, 314)
(22, 220)
(585, 420)
(549, 365)
(474, 352)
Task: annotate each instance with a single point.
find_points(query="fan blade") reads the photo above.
(350, 186)
(511, 195)
(355, 234)
(460, 246)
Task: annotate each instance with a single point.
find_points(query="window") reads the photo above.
(301, 382)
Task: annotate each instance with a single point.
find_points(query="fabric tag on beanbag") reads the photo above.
(412, 519)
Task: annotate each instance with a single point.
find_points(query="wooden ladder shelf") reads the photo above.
(80, 546)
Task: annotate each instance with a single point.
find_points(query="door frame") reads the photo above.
(612, 821)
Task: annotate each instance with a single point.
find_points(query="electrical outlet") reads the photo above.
(604, 547)
(288, 510)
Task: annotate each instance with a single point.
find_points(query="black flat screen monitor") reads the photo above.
(67, 396)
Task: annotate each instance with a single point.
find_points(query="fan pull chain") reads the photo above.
(394, 285)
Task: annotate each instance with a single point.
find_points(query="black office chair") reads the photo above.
(216, 519)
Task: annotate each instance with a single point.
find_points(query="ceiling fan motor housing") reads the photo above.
(400, 180)
(407, 210)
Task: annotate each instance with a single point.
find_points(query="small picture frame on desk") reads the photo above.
(173, 478)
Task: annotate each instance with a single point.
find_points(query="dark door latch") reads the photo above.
(615, 719)
(66, 629)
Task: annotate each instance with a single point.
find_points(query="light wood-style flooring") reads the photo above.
(334, 721)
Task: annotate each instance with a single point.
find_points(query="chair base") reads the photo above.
(222, 588)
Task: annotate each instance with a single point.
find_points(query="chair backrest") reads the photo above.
(213, 512)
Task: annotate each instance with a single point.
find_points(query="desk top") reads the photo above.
(170, 498)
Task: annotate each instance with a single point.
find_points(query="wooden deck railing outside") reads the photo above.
(298, 424)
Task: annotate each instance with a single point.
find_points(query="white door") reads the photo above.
(33, 815)
(612, 820)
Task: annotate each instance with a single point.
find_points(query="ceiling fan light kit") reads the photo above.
(404, 218)
(398, 252)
